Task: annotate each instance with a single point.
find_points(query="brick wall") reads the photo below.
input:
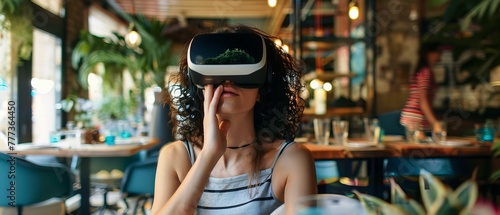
(76, 20)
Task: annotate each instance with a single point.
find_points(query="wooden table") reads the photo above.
(375, 155)
(123, 148)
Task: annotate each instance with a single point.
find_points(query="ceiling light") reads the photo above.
(327, 86)
(133, 39)
(278, 42)
(315, 84)
(272, 3)
(286, 48)
(353, 10)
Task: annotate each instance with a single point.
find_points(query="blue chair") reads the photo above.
(27, 183)
(139, 181)
(390, 123)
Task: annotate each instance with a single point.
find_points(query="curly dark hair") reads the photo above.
(277, 113)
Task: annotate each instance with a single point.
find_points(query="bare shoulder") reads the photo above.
(295, 155)
(175, 151)
(296, 151)
(294, 173)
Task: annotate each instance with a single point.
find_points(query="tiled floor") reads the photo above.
(115, 204)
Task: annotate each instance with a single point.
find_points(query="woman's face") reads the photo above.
(235, 99)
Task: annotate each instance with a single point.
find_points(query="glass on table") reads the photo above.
(414, 133)
(485, 132)
(439, 132)
(322, 130)
(54, 137)
(370, 126)
(340, 131)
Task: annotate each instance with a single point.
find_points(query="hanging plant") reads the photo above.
(15, 16)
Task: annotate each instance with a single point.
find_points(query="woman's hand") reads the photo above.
(214, 132)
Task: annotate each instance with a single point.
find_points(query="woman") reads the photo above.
(233, 141)
(417, 112)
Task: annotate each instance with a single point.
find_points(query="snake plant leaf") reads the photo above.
(401, 200)
(376, 206)
(466, 195)
(446, 207)
(433, 191)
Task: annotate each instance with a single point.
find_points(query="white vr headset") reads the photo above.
(238, 57)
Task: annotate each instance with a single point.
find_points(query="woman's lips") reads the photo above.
(228, 94)
(228, 91)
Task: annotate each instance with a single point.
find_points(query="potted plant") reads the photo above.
(16, 17)
(470, 27)
(112, 59)
(437, 199)
(83, 116)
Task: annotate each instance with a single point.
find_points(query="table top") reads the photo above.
(401, 149)
(122, 148)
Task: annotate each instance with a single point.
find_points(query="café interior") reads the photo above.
(82, 84)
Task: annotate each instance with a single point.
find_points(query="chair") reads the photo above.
(139, 181)
(29, 183)
(390, 123)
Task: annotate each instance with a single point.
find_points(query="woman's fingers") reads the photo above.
(224, 127)
(215, 99)
(208, 94)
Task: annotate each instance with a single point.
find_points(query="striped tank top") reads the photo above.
(412, 112)
(233, 196)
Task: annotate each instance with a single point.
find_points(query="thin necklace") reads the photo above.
(243, 146)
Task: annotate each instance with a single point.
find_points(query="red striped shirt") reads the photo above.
(412, 112)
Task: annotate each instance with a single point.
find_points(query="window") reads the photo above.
(54, 6)
(46, 85)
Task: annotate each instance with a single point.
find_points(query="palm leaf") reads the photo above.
(106, 57)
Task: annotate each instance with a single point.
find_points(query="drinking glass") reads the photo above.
(414, 132)
(322, 130)
(439, 132)
(340, 131)
(54, 137)
(370, 127)
(484, 132)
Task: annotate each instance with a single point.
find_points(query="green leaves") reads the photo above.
(400, 199)
(438, 199)
(17, 15)
(376, 206)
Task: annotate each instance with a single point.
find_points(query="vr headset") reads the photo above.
(237, 57)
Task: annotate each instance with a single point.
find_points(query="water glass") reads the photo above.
(322, 130)
(370, 127)
(54, 137)
(484, 132)
(439, 132)
(414, 133)
(340, 131)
